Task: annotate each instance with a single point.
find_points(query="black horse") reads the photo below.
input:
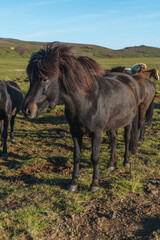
(11, 100)
(93, 103)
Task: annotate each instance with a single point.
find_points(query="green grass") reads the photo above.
(34, 178)
(128, 62)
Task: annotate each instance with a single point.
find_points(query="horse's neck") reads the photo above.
(149, 74)
(79, 103)
(71, 101)
(146, 73)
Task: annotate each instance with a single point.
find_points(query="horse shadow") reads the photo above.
(31, 180)
(157, 106)
(150, 225)
(15, 164)
(55, 120)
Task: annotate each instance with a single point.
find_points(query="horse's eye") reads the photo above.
(44, 80)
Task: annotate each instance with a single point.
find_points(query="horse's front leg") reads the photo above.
(5, 134)
(142, 130)
(96, 141)
(77, 157)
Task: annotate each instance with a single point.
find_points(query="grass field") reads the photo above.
(34, 202)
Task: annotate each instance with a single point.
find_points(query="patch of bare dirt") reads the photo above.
(130, 217)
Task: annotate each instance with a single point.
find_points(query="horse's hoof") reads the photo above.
(111, 168)
(13, 140)
(93, 189)
(4, 155)
(133, 151)
(141, 139)
(127, 165)
(72, 188)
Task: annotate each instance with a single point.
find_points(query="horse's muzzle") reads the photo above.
(30, 110)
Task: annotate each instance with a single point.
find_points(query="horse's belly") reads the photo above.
(119, 121)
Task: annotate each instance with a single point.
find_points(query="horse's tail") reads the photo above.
(134, 134)
(149, 113)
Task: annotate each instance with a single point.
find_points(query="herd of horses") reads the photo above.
(95, 100)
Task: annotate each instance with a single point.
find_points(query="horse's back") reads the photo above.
(11, 99)
(127, 81)
(118, 100)
(147, 87)
(145, 81)
(5, 101)
(13, 84)
(16, 96)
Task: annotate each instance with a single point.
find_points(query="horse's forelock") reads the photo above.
(57, 50)
(43, 63)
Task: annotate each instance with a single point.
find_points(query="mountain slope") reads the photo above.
(14, 47)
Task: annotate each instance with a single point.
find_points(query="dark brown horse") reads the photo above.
(93, 103)
(118, 69)
(11, 100)
(146, 106)
(148, 73)
(146, 99)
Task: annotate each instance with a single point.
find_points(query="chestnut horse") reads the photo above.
(146, 105)
(93, 103)
(148, 73)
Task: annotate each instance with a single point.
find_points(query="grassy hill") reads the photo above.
(15, 48)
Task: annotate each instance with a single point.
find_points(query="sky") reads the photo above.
(114, 24)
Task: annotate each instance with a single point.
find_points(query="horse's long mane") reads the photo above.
(56, 61)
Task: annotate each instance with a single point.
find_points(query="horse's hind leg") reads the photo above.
(12, 126)
(109, 138)
(1, 130)
(77, 157)
(113, 143)
(127, 136)
(5, 134)
(142, 121)
(96, 141)
(142, 130)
